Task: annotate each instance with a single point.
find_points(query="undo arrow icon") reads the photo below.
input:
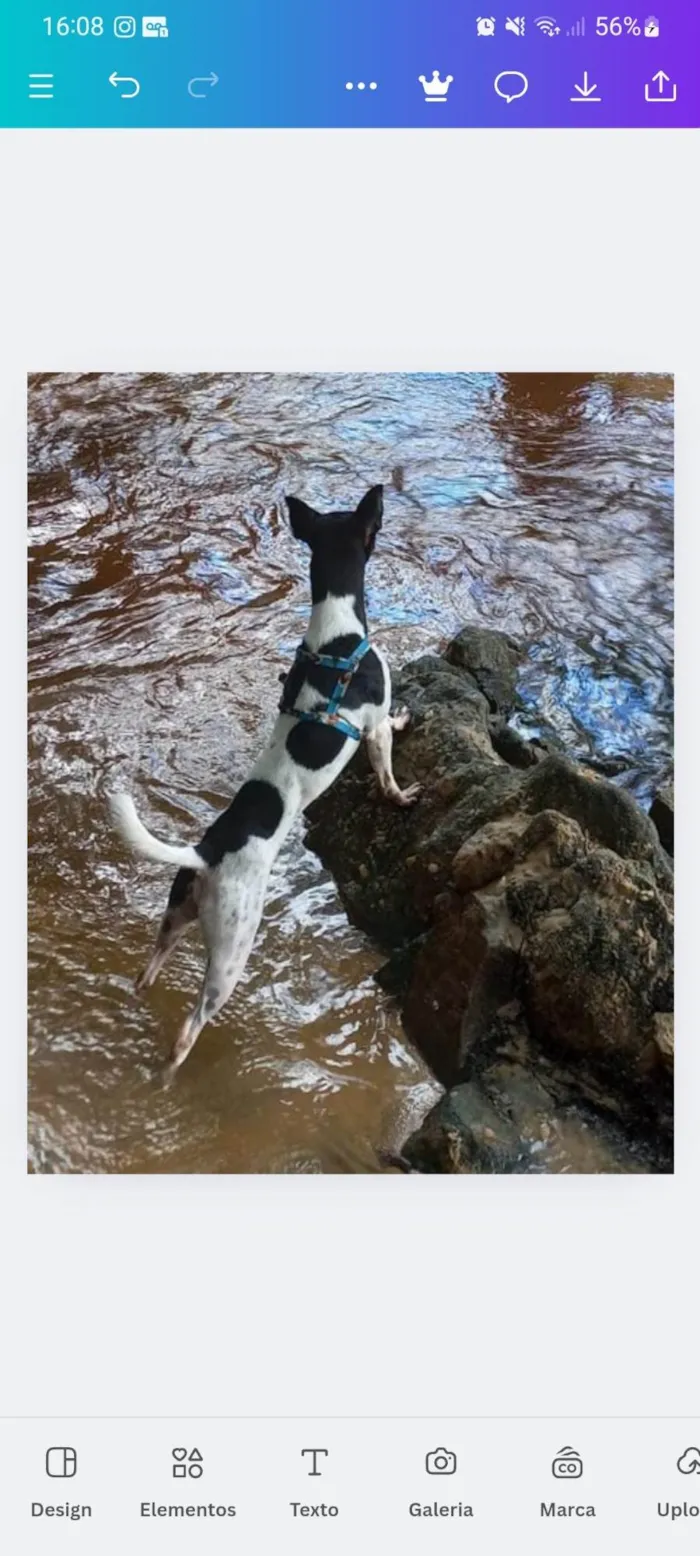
(116, 80)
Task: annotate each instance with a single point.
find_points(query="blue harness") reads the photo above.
(346, 669)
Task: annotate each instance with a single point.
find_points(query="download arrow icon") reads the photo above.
(116, 80)
(585, 92)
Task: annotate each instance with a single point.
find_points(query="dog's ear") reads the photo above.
(302, 518)
(369, 515)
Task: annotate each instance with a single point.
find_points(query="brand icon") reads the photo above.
(568, 1465)
(188, 1462)
(486, 26)
(61, 1463)
(154, 26)
(548, 26)
(516, 24)
(441, 1462)
(510, 85)
(689, 1462)
(666, 89)
(651, 27)
(125, 26)
(436, 90)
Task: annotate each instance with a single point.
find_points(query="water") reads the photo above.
(166, 594)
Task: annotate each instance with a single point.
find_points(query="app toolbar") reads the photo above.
(634, 1479)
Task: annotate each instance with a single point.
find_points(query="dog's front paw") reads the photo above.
(400, 719)
(410, 795)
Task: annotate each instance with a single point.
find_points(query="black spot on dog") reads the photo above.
(181, 888)
(255, 811)
(366, 686)
(314, 745)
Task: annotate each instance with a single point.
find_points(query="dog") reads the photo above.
(337, 692)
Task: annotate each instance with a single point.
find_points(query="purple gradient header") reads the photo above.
(352, 64)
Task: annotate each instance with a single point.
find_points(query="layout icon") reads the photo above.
(61, 1463)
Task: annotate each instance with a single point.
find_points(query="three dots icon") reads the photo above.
(361, 86)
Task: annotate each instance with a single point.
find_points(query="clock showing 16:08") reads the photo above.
(78, 26)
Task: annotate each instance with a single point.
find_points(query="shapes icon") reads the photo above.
(568, 1465)
(188, 1462)
(651, 27)
(689, 1462)
(548, 26)
(436, 90)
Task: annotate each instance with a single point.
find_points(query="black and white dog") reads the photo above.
(337, 691)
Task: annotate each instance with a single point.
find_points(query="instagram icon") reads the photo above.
(125, 26)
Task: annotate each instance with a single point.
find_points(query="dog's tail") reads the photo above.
(138, 837)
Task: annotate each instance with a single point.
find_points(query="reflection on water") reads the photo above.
(165, 595)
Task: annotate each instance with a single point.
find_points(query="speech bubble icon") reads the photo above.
(516, 85)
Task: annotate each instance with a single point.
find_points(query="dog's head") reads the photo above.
(351, 535)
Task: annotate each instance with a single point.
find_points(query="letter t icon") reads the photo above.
(314, 1454)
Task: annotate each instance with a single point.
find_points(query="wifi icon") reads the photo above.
(547, 25)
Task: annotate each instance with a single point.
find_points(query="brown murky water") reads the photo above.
(165, 596)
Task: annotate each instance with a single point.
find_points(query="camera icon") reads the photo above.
(125, 26)
(568, 1465)
(441, 1462)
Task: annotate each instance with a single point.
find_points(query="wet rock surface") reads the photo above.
(526, 902)
(662, 815)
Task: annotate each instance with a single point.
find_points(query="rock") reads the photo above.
(508, 743)
(491, 659)
(535, 1131)
(538, 887)
(661, 814)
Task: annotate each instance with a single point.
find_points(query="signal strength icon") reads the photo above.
(548, 25)
(578, 30)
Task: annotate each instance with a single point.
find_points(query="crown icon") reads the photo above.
(436, 90)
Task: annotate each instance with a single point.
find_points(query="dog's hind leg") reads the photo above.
(220, 979)
(379, 752)
(181, 911)
(229, 923)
